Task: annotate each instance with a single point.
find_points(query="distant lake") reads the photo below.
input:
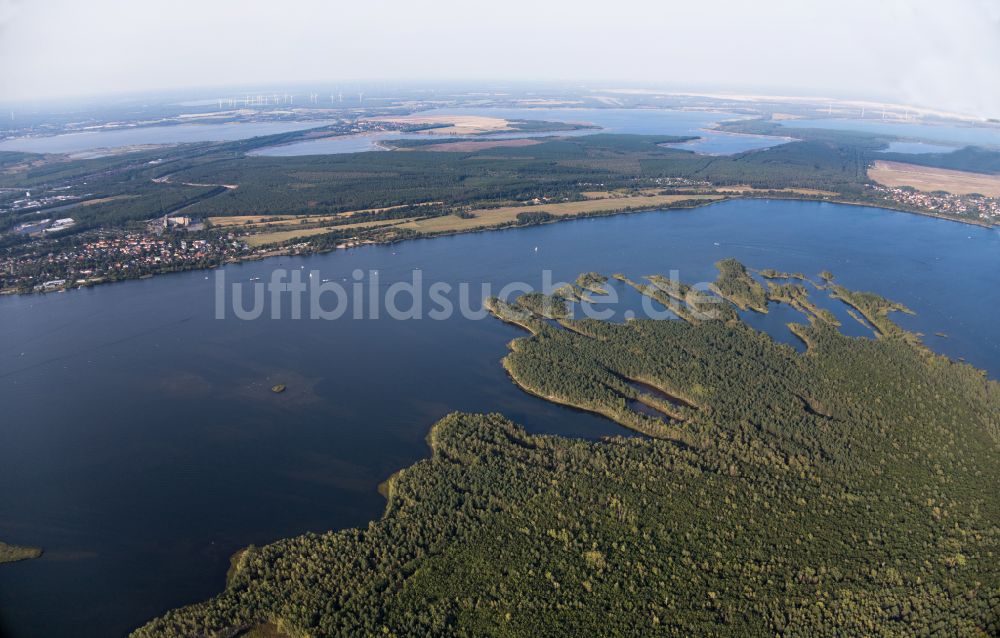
(141, 445)
(917, 148)
(635, 121)
(115, 138)
(944, 133)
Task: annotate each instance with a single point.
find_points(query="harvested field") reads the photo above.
(929, 179)
(740, 188)
(256, 221)
(457, 124)
(487, 217)
(280, 236)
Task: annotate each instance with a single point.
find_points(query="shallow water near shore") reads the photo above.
(142, 444)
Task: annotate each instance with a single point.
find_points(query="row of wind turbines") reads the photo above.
(282, 99)
(885, 114)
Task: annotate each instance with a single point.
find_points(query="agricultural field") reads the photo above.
(489, 217)
(744, 188)
(253, 221)
(450, 124)
(928, 178)
(284, 233)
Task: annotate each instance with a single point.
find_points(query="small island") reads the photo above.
(278, 388)
(14, 553)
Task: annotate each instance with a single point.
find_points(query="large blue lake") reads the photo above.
(141, 445)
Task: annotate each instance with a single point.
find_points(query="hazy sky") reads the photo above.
(928, 52)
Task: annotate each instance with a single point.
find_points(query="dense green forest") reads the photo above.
(970, 158)
(761, 126)
(844, 491)
(335, 183)
(735, 284)
(554, 168)
(814, 164)
(558, 167)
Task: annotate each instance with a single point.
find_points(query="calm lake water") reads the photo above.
(91, 140)
(636, 121)
(141, 445)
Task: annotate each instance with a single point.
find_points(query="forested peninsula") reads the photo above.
(847, 490)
